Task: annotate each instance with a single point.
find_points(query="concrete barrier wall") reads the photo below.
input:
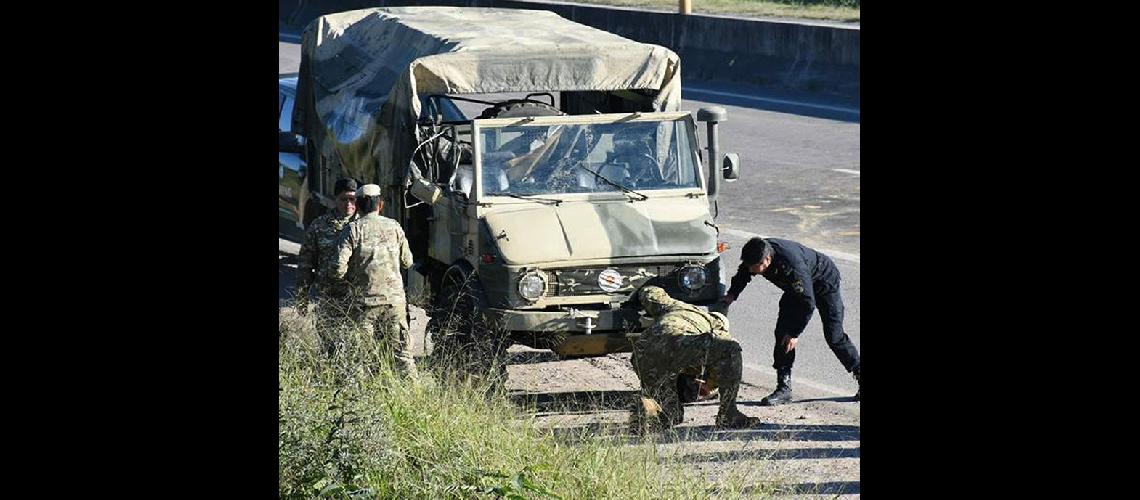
(819, 57)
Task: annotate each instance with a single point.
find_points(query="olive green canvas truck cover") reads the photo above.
(371, 66)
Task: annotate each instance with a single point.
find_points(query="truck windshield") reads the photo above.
(557, 159)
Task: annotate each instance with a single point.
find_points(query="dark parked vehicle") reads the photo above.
(291, 169)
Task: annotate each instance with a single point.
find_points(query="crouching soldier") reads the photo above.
(684, 339)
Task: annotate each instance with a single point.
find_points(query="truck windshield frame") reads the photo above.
(573, 156)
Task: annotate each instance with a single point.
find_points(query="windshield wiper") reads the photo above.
(531, 198)
(614, 184)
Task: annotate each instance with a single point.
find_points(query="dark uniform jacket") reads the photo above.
(802, 273)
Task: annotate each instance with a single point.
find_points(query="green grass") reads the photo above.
(351, 428)
(829, 10)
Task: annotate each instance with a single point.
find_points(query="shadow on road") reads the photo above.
(769, 432)
(830, 488)
(774, 432)
(576, 401)
(783, 454)
(836, 399)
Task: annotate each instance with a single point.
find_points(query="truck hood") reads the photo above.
(593, 230)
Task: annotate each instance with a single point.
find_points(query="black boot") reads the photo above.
(783, 392)
(860, 386)
(735, 419)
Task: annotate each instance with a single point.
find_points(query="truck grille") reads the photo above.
(585, 281)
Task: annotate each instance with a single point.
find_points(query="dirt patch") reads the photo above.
(803, 448)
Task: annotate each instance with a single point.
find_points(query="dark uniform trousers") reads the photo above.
(830, 306)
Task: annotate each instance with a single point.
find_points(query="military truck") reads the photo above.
(541, 216)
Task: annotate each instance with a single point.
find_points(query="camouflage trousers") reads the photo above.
(659, 359)
(332, 315)
(388, 325)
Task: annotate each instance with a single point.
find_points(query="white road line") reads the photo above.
(835, 254)
(699, 90)
(846, 171)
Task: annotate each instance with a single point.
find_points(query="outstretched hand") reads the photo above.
(721, 306)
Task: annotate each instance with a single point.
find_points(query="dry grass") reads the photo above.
(350, 427)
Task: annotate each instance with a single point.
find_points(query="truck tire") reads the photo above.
(457, 311)
(462, 341)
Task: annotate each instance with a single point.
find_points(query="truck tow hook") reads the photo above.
(589, 324)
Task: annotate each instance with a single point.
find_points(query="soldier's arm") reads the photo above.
(739, 281)
(346, 242)
(405, 250)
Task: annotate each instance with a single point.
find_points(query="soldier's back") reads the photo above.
(375, 267)
(686, 320)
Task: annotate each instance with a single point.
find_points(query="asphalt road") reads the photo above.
(800, 180)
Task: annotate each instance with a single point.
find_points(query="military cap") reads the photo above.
(368, 190)
(343, 185)
(653, 299)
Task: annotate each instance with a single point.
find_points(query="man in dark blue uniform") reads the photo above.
(809, 280)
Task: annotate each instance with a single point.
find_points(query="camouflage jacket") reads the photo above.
(318, 252)
(371, 251)
(675, 317)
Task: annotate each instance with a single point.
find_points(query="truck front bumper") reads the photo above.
(576, 332)
(571, 320)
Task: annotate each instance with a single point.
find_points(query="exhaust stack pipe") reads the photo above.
(713, 115)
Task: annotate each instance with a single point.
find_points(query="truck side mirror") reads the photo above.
(731, 167)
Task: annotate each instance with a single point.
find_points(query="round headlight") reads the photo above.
(692, 278)
(532, 286)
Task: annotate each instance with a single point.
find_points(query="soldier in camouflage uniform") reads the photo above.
(371, 251)
(684, 338)
(318, 251)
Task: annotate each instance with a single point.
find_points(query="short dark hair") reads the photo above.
(367, 204)
(755, 250)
